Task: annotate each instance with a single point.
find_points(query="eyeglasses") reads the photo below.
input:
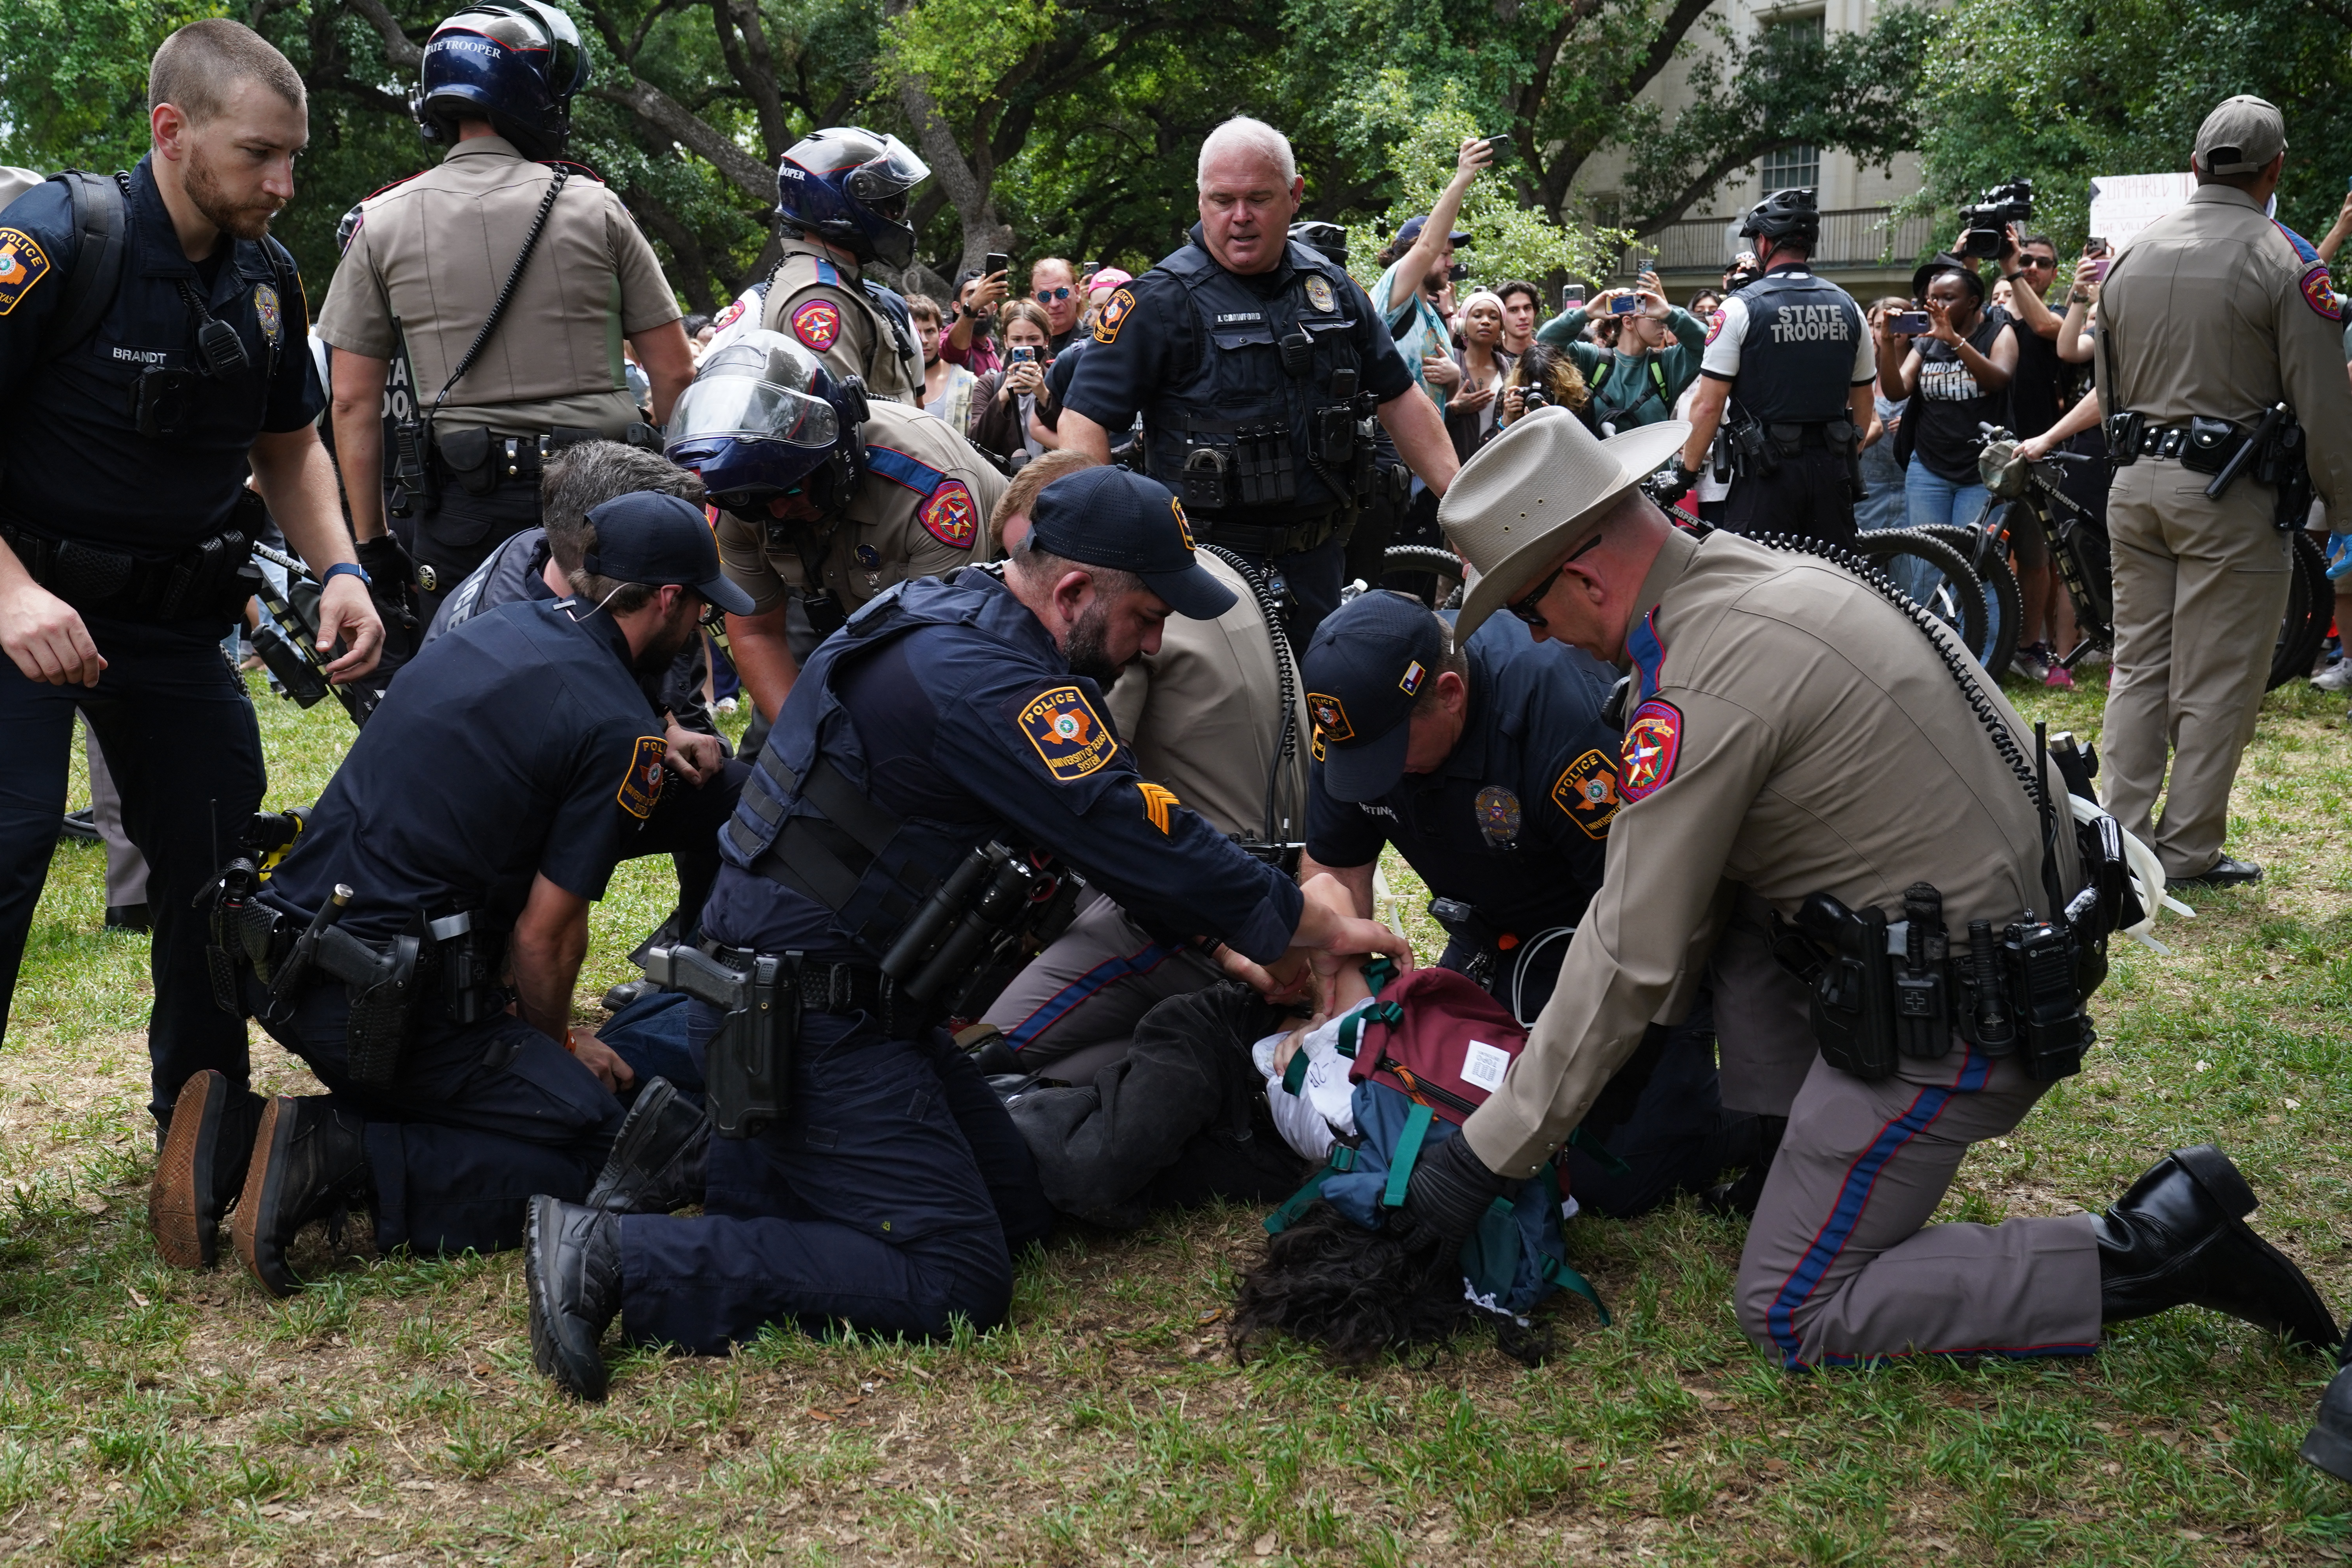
(1525, 605)
(2047, 262)
(1045, 295)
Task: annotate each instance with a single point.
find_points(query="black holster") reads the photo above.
(748, 1063)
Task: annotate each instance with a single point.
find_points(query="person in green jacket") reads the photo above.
(1656, 356)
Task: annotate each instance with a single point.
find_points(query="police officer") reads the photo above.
(1802, 738)
(151, 353)
(841, 206)
(828, 498)
(430, 258)
(888, 1189)
(1786, 376)
(2213, 317)
(478, 814)
(1205, 717)
(1252, 359)
(1491, 768)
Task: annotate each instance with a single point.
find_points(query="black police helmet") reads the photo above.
(1783, 214)
(848, 186)
(764, 419)
(515, 63)
(1328, 239)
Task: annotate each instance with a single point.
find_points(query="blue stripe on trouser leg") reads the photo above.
(1079, 992)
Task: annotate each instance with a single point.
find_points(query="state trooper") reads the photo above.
(490, 393)
(828, 499)
(151, 357)
(1815, 743)
(934, 759)
(1253, 360)
(1784, 387)
(2200, 403)
(841, 206)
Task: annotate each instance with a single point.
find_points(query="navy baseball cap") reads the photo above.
(656, 538)
(1116, 518)
(1411, 228)
(1369, 662)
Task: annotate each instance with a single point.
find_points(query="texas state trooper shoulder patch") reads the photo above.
(1587, 791)
(2319, 292)
(951, 515)
(817, 323)
(1115, 312)
(640, 789)
(1070, 736)
(1714, 324)
(1654, 744)
(23, 263)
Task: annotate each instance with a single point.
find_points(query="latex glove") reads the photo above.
(2340, 556)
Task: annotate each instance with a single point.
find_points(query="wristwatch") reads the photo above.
(2012, 277)
(353, 567)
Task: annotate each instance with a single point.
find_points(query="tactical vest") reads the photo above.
(1796, 360)
(1242, 438)
(810, 800)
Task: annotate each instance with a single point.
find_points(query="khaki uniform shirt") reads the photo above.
(2217, 311)
(1204, 715)
(921, 511)
(435, 251)
(1803, 737)
(819, 303)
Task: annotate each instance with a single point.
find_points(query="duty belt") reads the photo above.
(465, 453)
(1268, 540)
(842, 989)
(207, 580)
(2204, 445)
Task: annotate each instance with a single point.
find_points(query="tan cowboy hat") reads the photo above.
(1535, 490)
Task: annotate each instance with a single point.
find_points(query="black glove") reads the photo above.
(1449, 1192)
(1669, 486)
(391, 579)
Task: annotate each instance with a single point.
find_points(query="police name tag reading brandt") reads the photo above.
(641, 788)
(1070, 736)
(1485, 1065)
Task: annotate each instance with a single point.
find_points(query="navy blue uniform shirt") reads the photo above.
(1119, 375)
(519, 744)
(72, 462)
(979, 727)
(1517, 820)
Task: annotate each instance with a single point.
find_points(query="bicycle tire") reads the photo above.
(2003, 603)
(1955, 596)
(2310, 609)
(1427, 559)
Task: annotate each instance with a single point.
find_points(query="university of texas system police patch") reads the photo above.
(1587, 791)
(641, 787)
(1070, 736)
(23, 263)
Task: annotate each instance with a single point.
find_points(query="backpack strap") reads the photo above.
(1568, 1278)
(1403, 1156)
(1597, 1151)
(1342, 1160)
(101, 221)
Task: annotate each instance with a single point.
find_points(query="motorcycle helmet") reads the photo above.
(515, 63)
(849, 187)
(764, 420)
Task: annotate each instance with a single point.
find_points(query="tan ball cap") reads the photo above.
(1531, 494)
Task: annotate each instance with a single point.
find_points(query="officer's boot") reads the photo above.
(201, 1168)
(656, 1162)
(571, 1268)
(2179, 1237)
(1752, 1142)
(2329, 1445)
(308, 1163)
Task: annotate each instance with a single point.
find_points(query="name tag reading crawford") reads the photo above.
(1070, 736)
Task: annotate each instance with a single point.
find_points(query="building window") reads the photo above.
(1787, 168)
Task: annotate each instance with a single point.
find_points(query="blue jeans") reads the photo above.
(1886, 506)
(1929, 498)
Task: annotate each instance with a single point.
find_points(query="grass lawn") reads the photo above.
(392, 1416)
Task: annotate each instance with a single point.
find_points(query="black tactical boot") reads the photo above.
(1753, 1142)
(2177, 1238)
(200, 1168)
(572, 1267)
(2330, 1444)
(656, 1160)
(308, 1163)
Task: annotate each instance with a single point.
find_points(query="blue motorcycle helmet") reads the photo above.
(849, 187)
(762, 422)
(515, 63)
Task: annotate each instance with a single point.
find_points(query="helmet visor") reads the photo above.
(750, 408)
(567, 61)
(890, 173)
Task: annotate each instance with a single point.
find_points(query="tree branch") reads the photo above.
(675, 120)
(399, 51)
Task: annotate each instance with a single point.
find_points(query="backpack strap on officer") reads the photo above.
(102, 224)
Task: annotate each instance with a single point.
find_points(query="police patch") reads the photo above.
(1183, 526)
(1411, 684)
(1498, 816)
(950, 516)
(2319, 292)
(1654, 744)
(817, 323)
(1715, 324)
(868, 556)
(728, 317)
(1070, 736)
(641, 787)
(1114, 315)
(1331, 716)
(1318, 293)
(1157, 799)
(266, 307)
(1587, 791)
(23, 263)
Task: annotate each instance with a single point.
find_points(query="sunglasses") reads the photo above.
(2048, 263)
(1045, 295)
(1525, 605)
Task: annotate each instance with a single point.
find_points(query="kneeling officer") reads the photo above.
(882, 1185)
(478, 814)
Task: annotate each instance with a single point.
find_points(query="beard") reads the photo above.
(240, 221)
(1088, 650)
(669, 642)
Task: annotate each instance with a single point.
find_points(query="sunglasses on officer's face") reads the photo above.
(1525, 605)
(1047, 295)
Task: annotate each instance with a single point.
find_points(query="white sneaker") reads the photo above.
(2336, 676)
(725, 705)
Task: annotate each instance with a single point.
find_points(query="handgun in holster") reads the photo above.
(1850, 443)
(1757, 456)
(1465, 924)
(748, 1063)
(1853, 1003)
(2282, 462)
